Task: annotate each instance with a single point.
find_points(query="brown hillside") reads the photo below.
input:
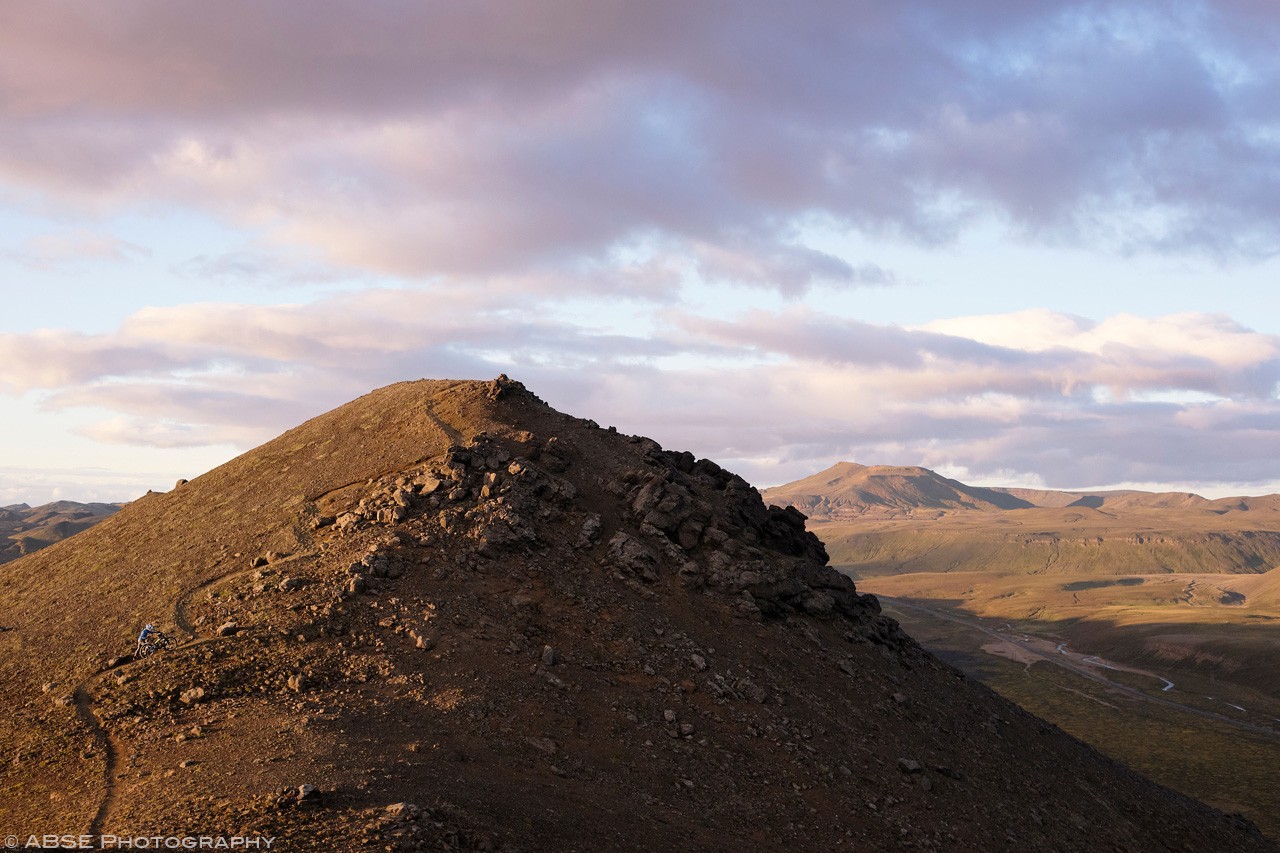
(848, 490)
(25, 529)
(1108, 499)
(482, 624)
(926, 523)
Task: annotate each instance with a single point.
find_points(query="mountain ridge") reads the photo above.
(850, 489)
(445, 615)
(1102, 532)
(25, 529)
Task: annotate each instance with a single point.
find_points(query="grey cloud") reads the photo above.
(499, 138)
(769, 436)
(807, 335)
(42, 485)
(257, 266)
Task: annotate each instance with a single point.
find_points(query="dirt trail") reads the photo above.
(453, 435)
(84, 707)
(84, 700)
(184, 600)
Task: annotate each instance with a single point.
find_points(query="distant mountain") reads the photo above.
(849, 490)
(25, 529)
(1111, 499)
(880, 519)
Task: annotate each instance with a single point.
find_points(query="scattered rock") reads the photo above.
(289, 584)
(909, 765)
(699, 662)
(297, 682)
(228, 629)
(192, 696)
(543, 744)
(403, 811)
(257, 562)
(590, 531)
(549, 656)
(631, 555)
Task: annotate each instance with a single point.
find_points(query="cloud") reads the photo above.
(1061, 399)
(52, 251)
(539, 189)
(258, 267)
(491, 139)
(37, 486)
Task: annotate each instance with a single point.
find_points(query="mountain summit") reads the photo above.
(446, 616)
(849, 490)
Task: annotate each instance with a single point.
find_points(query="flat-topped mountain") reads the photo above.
(25, 529)
(882, 519)
(848, 490)
(1111, 499)
(446, 616)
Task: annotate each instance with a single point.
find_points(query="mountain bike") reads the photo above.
(156, 641)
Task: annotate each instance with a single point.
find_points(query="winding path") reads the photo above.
(83, 699)
(1087, 671)
(84, 707)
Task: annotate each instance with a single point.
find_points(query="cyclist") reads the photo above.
(143, 637)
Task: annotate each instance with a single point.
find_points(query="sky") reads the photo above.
(1032, 244)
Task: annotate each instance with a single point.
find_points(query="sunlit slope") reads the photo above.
(849, 490)
(884, 520)
(1048, 541)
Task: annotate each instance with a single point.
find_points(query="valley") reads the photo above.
(1145, 624)
(25, 529)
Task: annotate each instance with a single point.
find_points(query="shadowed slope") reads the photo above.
(482, 624)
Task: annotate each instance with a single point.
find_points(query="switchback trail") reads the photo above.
(84, 700)
(183, 601)
(84, 707)
(1086, 671)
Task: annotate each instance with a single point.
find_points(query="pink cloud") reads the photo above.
(490, 139)
(48, 251)
(776, 394)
